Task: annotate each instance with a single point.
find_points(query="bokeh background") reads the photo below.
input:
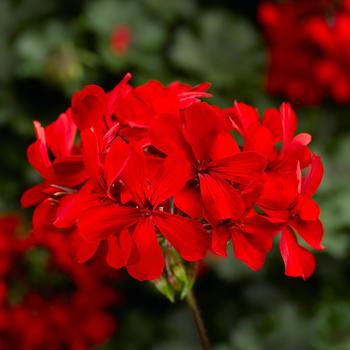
(51, 48)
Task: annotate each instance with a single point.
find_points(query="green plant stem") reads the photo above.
(196, 314)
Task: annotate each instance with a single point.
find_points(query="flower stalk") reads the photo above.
(198, 320)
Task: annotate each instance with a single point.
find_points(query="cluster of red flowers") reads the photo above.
(309, 55)
(150, 167)
(53, 305)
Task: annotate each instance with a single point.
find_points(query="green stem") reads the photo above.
(196, 314)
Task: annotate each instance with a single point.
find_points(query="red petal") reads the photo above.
(137, 135)
(224, 146)
(313, 177)
(243, 117)
(88, 106)
(201, 129)
(166, 102)
(116, 160)
(98, 223)
(303, 138)
(221, 235)
(293, 154)
(69, 171)
(252, 192)
(154, 166)
(241, 168)
(60, 135)
(310, 231)
(272, 121)
(298, 261)
(119, 248)
(260, 140)
(44, 216)
(289, 122)
(70, 207)
(250, 249)
(85, 249)
(171, 179)
(33, 195)
(92, 156)
(187, 236)
(220, 199)
(261, 226)
(189, 200)
(279, 192)
(37, 152)
(118, 92)
(188, 94)
(146, 260)
(309, 209)
(166, 134)
(143, 103)
(135, 176)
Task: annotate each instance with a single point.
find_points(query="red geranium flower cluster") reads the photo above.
(47, 300)
(309, 53)
(153, 167)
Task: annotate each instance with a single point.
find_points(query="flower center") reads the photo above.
(146, 213)
(202, 167)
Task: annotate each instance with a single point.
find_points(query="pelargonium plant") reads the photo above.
(308, 49)
(163, 179)
(47, 300)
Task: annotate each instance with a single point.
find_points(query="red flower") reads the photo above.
(88, 106)
(132, 228)
(137, 108)
(120, 39)
(302, 215)
(157, 169)
(281, 197)
(215, 159)
(65, 171)
(277, 128)
(251, 234)
(45, 315)
(308, 51)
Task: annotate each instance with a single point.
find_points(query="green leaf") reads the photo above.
(165, 288)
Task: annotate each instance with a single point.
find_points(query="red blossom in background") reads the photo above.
(120, 39)
(309, 53)
(51, 312)
(152, 167)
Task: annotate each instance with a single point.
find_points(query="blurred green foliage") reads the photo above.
(51, 48)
